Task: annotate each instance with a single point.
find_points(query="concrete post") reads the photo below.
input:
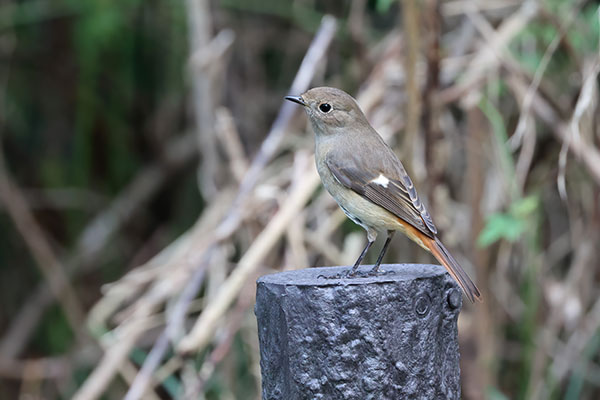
(392, 336)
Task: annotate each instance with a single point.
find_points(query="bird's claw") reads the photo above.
(341, 275)
(349, 274)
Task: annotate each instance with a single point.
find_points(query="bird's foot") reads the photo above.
(350, 273)
(378, 272)
(344, 275)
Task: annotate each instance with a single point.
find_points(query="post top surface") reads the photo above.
(328, 276)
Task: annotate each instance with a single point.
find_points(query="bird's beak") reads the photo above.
(296, 99)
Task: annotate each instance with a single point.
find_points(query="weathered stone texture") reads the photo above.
(392, 336)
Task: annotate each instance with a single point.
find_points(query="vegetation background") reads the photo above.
(144, 184)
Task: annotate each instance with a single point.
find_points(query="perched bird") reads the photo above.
(367, 180)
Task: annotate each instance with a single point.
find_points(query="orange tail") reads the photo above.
(443, 255)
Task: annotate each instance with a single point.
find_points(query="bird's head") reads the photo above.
(330, 109)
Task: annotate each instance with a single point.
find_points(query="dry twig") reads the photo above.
(47, 261)
(191, 254)
(97, 235)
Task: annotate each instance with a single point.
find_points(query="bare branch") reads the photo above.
(47, 261)
(98, 234)
(206, 324)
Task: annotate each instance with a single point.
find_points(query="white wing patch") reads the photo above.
(381, 181)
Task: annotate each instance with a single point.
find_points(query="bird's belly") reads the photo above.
(361, 211)
(369, 215)
(365, 213)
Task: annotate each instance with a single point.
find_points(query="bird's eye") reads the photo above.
(325, 107)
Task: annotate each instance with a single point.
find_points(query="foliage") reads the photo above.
(511, 224)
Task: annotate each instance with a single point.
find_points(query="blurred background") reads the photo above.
(150, 172)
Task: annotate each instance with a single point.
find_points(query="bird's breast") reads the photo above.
(359, 209)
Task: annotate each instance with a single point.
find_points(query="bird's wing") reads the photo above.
(390, 188)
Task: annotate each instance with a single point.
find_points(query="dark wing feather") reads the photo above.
(399, 197)
(405, 183)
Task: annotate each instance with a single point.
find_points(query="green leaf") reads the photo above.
(500, 226)
(510, 225)
(383, 6)
(495, 394)
(524, 207)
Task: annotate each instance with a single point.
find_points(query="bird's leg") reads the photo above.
(390, 235)
(360, 258)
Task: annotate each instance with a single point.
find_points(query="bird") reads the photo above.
(369, 182)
